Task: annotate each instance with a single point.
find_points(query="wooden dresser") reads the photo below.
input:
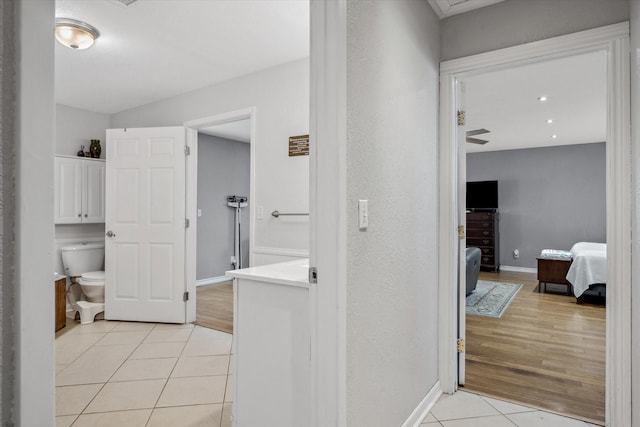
(483, 233)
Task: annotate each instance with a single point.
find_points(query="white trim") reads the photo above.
(518, 269)
(192, 191)
(613, 39)
(424, 407)
(295, 253)
(213, 280)
(444, 8)
(328, 211)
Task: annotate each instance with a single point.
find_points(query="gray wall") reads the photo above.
(549, 198)
(515, 22)
(223, 170)
(76, 127)
(392, 133)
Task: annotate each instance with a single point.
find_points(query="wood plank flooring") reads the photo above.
(214, 306)
(546, 351)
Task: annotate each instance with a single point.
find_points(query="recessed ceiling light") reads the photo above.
(549, 121)
(554, 136)
(542, 98)
(75, 34)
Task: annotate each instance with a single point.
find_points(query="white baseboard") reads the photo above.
(213, 280)
(295, 253)
(424, 407)
(518, 269)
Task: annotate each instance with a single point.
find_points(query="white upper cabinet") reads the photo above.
(79, 190)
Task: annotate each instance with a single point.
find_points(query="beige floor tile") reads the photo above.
(490, 421)
(208, 342)
(126, 395)
(192, 416)
(228, 393)
(144, 369)
(201, 365)
(71, 400)
(193, 391)
(65, 421)
(92, 328)
(70, 347)
(174, 326)
(158, 350)
(231, 368)
(227, 415)
(430, 419)
(543, 419)
(461, 405)
(96, 365)
(168, 335)
(116, 338)
(110, 419)
(60, 367)
(507, 407)
(133, 326)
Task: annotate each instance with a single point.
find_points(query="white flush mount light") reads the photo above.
(554, 136)
(75, 34)
(542, 98)
(549, 121)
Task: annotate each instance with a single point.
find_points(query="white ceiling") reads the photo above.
(446, 8)
(505, 102)
(154, 49)
(240, 130)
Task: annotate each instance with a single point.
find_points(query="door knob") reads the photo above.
(110, 234)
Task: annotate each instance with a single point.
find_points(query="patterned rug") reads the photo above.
(491, 299)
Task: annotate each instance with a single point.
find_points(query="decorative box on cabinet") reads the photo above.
(483, 233)
(79, 190)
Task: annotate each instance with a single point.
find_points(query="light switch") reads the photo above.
(199, 212)
(363, 214)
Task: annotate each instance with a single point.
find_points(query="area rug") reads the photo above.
(491, 299)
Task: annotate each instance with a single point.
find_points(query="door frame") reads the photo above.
(614, 39)
(191, 253)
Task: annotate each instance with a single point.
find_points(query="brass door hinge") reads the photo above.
(461, 120)
(461, 232)
(460, 345)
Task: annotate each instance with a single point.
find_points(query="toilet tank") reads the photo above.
(82, 257)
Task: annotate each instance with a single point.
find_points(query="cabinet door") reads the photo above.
(93, 191)
(67, 199)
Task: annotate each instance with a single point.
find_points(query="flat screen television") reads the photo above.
(482, 195)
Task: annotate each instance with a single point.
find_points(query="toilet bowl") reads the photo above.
(82, 264)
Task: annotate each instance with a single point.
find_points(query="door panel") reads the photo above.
(145, 272)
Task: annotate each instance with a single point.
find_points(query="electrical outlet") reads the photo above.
(363, 214)
(199, 212)
(516, 254)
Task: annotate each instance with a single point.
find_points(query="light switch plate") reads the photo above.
(363, 214)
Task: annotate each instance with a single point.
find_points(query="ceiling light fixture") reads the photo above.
(554, 136)
(542, 98)
(75, 34)
(549, 121)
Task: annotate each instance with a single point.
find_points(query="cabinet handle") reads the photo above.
(85, 215)
(486, 233)
(485, 241)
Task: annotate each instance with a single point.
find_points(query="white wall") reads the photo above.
(34, 220)
(281, 98)
(635, 146)
(76, 127)
(515, 22)
(392, 290)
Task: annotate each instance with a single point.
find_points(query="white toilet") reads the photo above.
(84, 265)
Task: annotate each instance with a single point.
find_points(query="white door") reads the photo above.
(93, 191)
(145, 224)
(462, 243)
(67, 189)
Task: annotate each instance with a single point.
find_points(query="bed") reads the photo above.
(589, 266)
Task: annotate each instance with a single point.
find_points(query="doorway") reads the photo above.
(614, 41)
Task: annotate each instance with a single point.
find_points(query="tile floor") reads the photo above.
(465, 409)
(143, 374)
(152, 375)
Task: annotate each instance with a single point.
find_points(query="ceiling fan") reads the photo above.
(475, 132)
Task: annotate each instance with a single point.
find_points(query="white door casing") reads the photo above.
(145, 201)
(613, 39)
(461, 140)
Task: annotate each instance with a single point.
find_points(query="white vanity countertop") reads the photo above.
(57, 277)
(292, 273)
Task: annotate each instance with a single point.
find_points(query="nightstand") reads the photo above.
(553, 270)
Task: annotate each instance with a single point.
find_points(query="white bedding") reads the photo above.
(589, 266)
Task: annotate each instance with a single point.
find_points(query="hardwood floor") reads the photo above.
(214, 306)
(546, 351)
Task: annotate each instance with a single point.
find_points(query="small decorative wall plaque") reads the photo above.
(299, 145)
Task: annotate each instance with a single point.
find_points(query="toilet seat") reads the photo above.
(92, 277)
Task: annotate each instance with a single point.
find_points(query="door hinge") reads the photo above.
(460, 345)
(313, 275)
(461, 120)
(186, 223)
(461, 232)
(187, 150)
(185, 296)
